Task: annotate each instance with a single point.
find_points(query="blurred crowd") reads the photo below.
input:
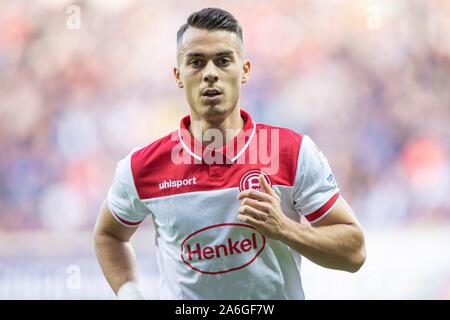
(84, 82)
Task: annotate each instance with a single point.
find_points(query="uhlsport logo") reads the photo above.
(177, 183)
(250, 180)
(222, 248)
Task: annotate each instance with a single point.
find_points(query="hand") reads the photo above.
(263, 210)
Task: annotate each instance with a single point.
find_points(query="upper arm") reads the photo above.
(107, 224)
(315, 190)
(317, 193)
(123, 210)
(341, 213)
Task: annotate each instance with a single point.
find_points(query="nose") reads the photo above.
(210, 74)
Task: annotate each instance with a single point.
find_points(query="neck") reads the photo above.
(228, 125)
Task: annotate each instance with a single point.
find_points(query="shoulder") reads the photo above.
(289, 139)
(143, 165)
(157, 150)
(140, 160)
(283, 149)
(287, 134)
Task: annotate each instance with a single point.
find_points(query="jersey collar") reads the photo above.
(229, 152)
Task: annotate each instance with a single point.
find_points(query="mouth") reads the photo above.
(211, 93)
(211, 96)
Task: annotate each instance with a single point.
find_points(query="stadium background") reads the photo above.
(369, 81)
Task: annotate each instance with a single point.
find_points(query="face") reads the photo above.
(211, 70)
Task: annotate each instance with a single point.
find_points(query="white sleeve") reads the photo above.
(123, 200)
(315, 188)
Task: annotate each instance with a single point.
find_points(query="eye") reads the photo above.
(223, 61)
(196, 62)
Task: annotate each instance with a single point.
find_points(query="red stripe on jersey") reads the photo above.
(322, 210)
(125, 221)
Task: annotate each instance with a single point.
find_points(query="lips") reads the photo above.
(211, 93)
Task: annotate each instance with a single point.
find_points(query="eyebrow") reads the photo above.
(200, 54)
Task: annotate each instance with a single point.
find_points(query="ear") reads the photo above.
(176, 74)
(246, 71)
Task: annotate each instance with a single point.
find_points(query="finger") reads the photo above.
(255, 194)
(254, 213)
(267, 188)
(249, 220)
(259, 205)
(265, 185)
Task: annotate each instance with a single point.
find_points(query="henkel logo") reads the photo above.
(222, 248)
(250, 180)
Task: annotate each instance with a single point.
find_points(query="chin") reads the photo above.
(214, 112)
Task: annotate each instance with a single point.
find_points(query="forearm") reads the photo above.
(117, 260)
(339, 246)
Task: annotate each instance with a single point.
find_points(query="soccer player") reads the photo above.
(226, 194)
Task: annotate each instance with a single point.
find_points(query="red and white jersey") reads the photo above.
(203, 250)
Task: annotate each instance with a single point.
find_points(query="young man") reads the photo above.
(226, 214)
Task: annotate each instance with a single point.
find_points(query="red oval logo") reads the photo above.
(211, 252)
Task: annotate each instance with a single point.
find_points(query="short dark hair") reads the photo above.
(211, 19)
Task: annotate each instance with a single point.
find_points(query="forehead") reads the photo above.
(208, 41)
